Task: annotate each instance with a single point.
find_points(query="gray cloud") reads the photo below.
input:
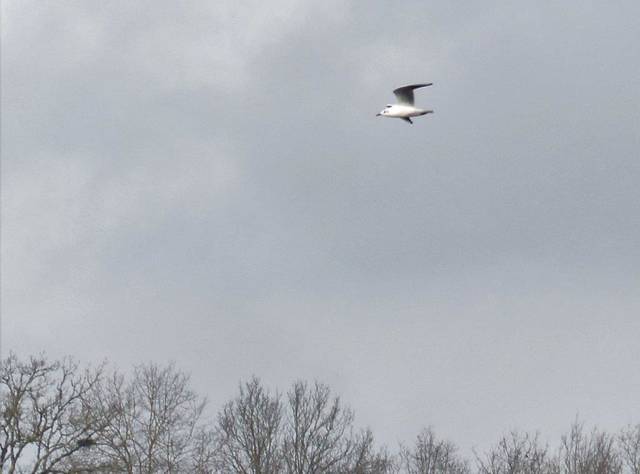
(209, 184)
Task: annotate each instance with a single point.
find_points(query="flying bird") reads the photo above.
(405, 109)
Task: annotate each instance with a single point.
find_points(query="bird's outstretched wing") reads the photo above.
(404, 94)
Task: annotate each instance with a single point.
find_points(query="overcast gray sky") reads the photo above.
(206, 182)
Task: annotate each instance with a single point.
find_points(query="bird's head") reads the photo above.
(384, 111)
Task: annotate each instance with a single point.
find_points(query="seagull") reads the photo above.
(405, 109)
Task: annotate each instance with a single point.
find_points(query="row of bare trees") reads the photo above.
(59, 417)
(580, 452)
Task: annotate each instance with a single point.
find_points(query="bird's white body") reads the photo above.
(403, 111)
(405, 108)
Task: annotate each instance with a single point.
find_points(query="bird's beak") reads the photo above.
(378, 114)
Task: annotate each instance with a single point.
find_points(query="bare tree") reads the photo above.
(153, 423)
(429, 455)
(588, 453)
(319, 431)
(249, 432)
(365, 459)
(203, 457)
(44, 419)
(314, 434)
(517, 453)
(629, 441)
